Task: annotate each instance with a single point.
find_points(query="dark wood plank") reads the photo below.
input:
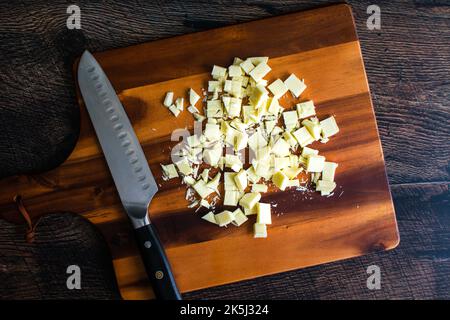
(405, 62)
(418, 269)
(38, 270)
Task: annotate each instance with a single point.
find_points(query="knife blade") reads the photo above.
(129, 168)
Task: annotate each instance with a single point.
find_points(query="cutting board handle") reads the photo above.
(156, 264)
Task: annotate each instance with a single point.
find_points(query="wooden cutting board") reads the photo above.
(320, 46)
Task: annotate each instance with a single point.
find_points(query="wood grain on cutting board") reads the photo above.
(320, 46)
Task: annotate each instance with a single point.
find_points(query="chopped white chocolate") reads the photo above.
(252, 176)
(247, 66)
(315, 163)
(201, 188)
(214, 182)
(249, 212)
(263, 153)
(184, 167)
(193, 97)
(290, 119)
(237, 61)
(264, 213)
(234, 162)
(259, 230)
(189, 180)
(308, 151)
(229, 183)
(295, 85)
(212, 132)
(214, 86)
(210, 217)
(292, 172)
(193, 141)
(249, 200)
(239, 217)
(294, 160)
(273, 106)
(278, 88)
(213, 155)
(313, 128)
(205, 204)
(257, 141)
(231, 198)
(230, 136)
(234, 71)
(258, 60)
(259, 187)
(174, 110)
(214, 109)
(329, 127)
(259, 71)
(290, 139)
(280, 180)
(281, 148)
(238, 125)
(227, 86)
(179, 103)
(234, 109)
(263, 170)
(218, 72)
(169, 171)
(168, 100)
(193, 109)
(303, 137)
(242, 110)
(329, 169)
(259, 95)
(269, 125)
(245, 80)
(241, 180)
(224, 218)
(198, 117)
(325, 187)
(281, 163)
(306, 109)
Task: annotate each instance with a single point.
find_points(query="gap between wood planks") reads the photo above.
(419, 184)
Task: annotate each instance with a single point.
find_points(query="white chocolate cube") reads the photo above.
(329, 170)
(306, 109)
(260, 71)
(218, 72)
(264, 213)
(278, 88)
(295, 85)
(239, 217)
(224, 218)
(168, 100)
(329, 127)
(315, 163)
(259, 230)
(249, 200)
(303, 137)
(280, 180)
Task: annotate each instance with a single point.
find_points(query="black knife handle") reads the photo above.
(156, 264)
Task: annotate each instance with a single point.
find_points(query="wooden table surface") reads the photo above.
(407, 64)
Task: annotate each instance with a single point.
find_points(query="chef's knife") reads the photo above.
(129, 168)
